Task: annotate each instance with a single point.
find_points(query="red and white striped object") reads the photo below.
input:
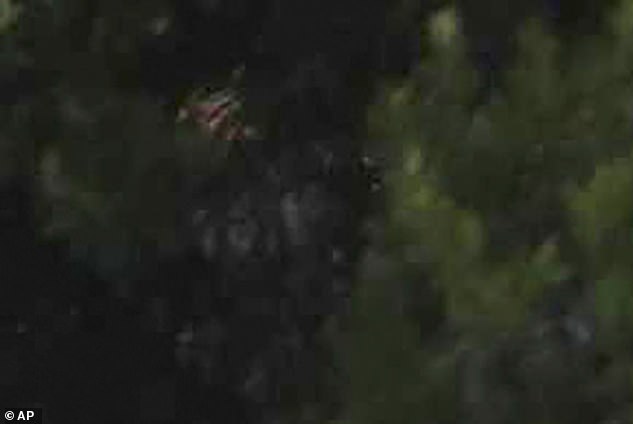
(218, 116)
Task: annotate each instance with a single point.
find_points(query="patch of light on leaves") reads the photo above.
(9, 14)
(622, 19)
(443, 27)
(159, 25)
(413, 160)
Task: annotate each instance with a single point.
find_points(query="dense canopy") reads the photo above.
(284, 211)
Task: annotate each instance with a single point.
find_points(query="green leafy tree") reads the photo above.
(496, 206)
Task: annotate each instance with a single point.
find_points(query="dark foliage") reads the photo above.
(202, 294)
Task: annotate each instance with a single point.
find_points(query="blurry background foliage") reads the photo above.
(9, 13)
(496, 205)
(111, 164)
(497, 283)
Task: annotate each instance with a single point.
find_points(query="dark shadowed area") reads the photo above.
(300, 211)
